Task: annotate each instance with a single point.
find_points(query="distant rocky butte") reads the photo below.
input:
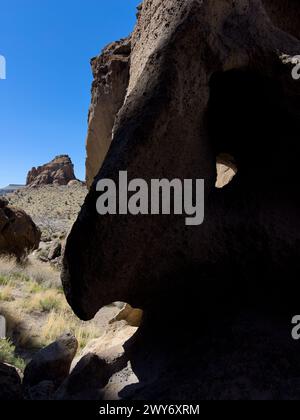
(60, 171)
(11, 188)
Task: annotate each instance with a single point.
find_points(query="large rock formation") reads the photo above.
(207, 78)
(111, 76)
(18, 233)
(59, 171)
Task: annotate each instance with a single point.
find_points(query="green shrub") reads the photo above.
(7, 355)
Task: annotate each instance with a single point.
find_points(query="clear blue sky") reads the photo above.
(44, 101)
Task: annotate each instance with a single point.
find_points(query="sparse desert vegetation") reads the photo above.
(8, 355)
(37, 313)
(31, 295)
(53, 208)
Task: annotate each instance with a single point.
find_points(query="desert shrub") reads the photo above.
(7, 355)
(4, 280)
(6, 293)
(44, 301)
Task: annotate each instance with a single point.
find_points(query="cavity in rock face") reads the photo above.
(206, 78)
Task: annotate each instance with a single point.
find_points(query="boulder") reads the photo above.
(3, 202)
(44, 391)
(60, 171)
(75, 183)
(10, 383)
(51, 364)
(18, 233)
(206, 79)
(98, 362)
(55, 250)
(86, 381)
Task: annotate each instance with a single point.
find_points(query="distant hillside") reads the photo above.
(11, 188)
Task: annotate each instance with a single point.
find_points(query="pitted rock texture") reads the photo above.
(207, 78)
(60, 171)
(111, 76)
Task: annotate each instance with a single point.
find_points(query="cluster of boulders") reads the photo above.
(60, 171)
(18, 233)
(43, 375)
(55, 374)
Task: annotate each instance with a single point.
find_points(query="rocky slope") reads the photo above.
(206, 78)
(53, 208)
(60, 171)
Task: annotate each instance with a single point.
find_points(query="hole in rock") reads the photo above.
(226, 169)
(252, 118)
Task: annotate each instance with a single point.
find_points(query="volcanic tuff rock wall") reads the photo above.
(206, 79)
(111, 76)
(111, 70)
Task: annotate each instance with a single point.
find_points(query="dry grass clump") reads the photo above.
(43, 300)
(32, 301)
(59, 322)
(6, 293)
(30, 270)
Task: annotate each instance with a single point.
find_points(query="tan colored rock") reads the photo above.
(226, 170)
(60, 171)
(111, 75)
(132, 316)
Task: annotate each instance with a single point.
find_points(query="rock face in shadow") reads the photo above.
(10, 384)
(111, 76)
(60, 171)
(51, 366)
(285, 14)
(206, 78)
(18, 233)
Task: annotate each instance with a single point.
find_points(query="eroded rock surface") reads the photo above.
(206, 78)
(111, 76)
